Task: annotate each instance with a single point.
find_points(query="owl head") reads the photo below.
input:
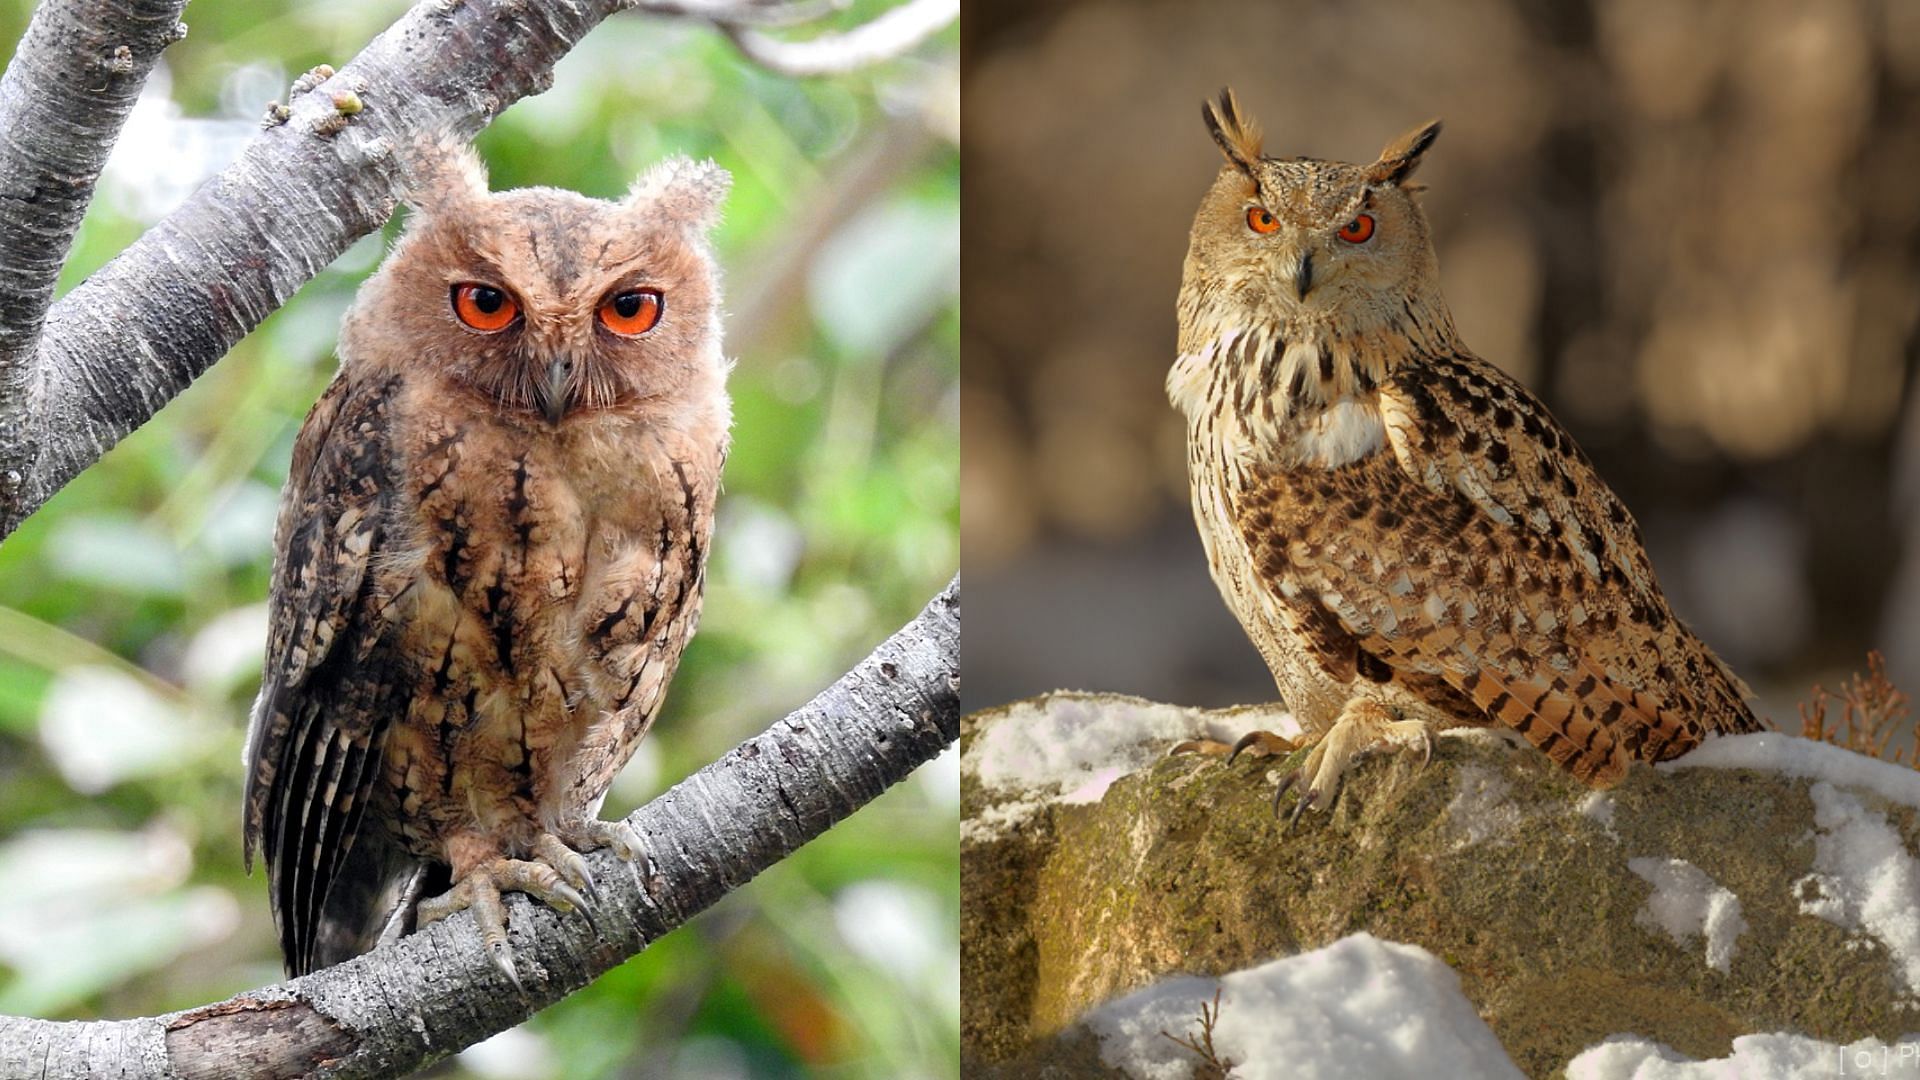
(1295, 241)
(552, 304)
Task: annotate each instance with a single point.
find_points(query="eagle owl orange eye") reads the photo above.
(1357, 231)
(632, 312)
(1261, 220)
(484, 307)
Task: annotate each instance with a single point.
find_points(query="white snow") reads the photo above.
(1070, 748)
(1597, 807)
(1863, 877)
(1482, 807)
(1686, 903)
(1779, 1056)
(1789, 755)
(1359, 1007)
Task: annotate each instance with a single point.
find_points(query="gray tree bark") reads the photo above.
(430, 994)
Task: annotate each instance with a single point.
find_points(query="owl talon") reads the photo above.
(1262, 744)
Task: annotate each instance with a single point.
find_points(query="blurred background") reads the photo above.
(132, 607)
(1693, 229)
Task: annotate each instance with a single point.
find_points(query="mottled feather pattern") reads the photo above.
(490, 556)
(1391, 518)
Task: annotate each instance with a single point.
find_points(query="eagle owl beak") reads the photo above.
(556, 391)
(1303, 275)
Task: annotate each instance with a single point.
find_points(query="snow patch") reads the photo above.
(1789, 755)
(1070, 749)
(1597, 807)
(1863, 877)
(1686, 903)
(1482, 808)
(1359, 1007)
(1777, 1056)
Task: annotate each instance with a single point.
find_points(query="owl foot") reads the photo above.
(616, 836)
(560, 887)
(1255, 743)
(1364, 726)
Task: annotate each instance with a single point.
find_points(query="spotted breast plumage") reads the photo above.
(491, 552)
(1408, 536)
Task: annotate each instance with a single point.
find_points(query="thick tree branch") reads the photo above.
(67, 91)
(140, 330)
(431, 994)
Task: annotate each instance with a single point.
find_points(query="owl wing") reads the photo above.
(1501, 564)
(329, 692)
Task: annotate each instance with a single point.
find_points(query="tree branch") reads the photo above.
(66, 93)
(428, 995)
(140, 330)
(889, 34)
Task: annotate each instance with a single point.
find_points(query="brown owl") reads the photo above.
(490, 554)
(1408, 536)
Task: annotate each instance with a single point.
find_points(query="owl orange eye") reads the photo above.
(1261, 220)
(1357, 231)
(484, 307)
(632, 312)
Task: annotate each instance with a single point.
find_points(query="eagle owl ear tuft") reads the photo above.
(1403, 154)
(688, 191)
(1238, 135)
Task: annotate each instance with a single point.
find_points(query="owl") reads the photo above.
(489, 555)
(1407, 535)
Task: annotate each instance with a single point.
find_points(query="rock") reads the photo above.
(1686, 906)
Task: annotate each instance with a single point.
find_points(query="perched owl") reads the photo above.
(490, 555)
(1409, 538)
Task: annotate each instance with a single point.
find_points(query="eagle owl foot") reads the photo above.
(556, 875)
(1257, 743)
(1364, 726)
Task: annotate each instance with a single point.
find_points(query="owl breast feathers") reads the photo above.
(490, 555)
(1408, 536)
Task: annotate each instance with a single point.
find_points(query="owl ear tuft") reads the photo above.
(441, 173)
(689, 191)
(1403, 154)
(1238, 136)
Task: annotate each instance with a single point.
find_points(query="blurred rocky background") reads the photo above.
(1693, 229)
(133, 606)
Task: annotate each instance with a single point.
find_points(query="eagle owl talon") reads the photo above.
(1400, 526)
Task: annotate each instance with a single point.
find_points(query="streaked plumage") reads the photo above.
(490, 555)
(1408, 536)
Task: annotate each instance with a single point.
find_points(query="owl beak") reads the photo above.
(556, 392)
(1303, 276)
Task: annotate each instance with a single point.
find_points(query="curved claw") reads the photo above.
(502, 955)
(1307, 799)
(1189, 746)
(1286, 785)
(1249, 739)
(1426, 748)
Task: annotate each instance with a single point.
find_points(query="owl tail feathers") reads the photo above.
(1238, 135)
(370, 903)
(1577, 723)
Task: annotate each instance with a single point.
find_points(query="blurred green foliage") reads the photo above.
(132, 610)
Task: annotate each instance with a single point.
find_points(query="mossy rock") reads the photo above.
(1489, 857)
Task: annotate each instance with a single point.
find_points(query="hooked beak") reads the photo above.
(556, 390)
(1303, 275)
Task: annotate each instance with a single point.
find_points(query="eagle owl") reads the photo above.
(1409, 538)
(489, 556)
